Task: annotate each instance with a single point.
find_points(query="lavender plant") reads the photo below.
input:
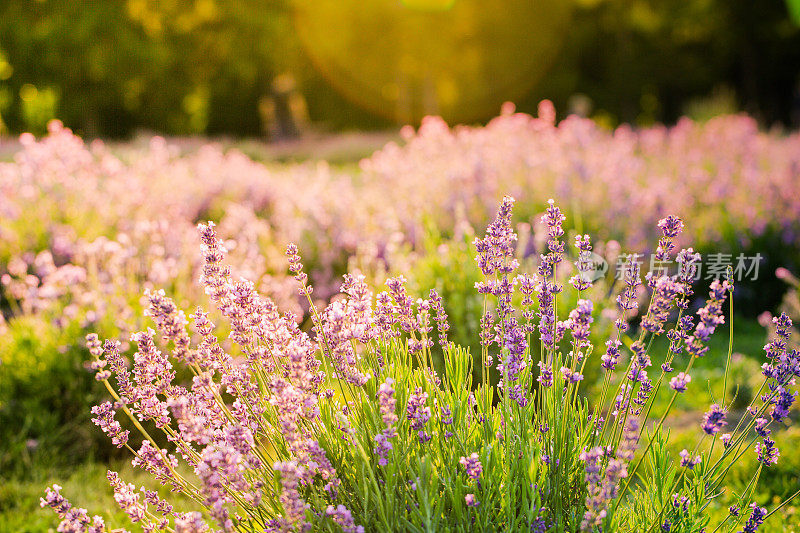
(348, 427)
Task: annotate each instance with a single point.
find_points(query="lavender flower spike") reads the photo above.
(756, 519)
(473, 466)
(687, 460)
(496, 249)
(713, 420)
(679, 382)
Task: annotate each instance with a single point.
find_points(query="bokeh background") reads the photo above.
(278, 67)
(305, 121)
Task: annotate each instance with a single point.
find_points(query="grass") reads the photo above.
(85, 485)
(775, 483)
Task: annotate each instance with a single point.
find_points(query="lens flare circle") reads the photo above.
(457, 58)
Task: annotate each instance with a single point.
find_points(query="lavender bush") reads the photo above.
(85, 228)
(349, 427)
(790, 304)
(76, 217)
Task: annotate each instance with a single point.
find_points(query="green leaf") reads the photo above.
(794, 10)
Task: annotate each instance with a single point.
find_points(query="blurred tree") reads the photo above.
(221, 66)
(794, 10)
(173, 65)
(627, 55)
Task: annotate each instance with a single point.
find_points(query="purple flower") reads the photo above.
(527, 286)
(418, 414)
(96, 350)
(127, 498)
(403, 305)
(294, 507)
(553, 220)
(681, 503)
(342, 516)
(688, 268)
(579, 320)
(583, 280)
(603, 489)
(441, 317)
(341, 326)
(538, 525)
(446, 417)
(756, 519)
(105, 421)
(679, 382)
(496, 249)
(158, 463)
(687, 460)
(627, 300)
(710, 317)
(622, 400)
(766, 452)
(637, 374)
(571, 376)
(215, 276)
(116, 362)
(681, 331)
(161, 506)
(190, 523)
(383, 446)
(783, 326)
(782, 403)
(641, 357)
(471, 501)
(387, 407)
(665, 294)
(496, 256)
(296, 268)
(642, 394)
(545, 377)
(153, 374)
(595, 502)
(548, 329)
(761, 427)
(546, 289)
(171, 323)
(387, 402)
(612, 354)
(515, 344)
(713, 420)
(73, 518)
(473, 466)
(671, 227)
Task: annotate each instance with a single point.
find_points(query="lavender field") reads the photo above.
(532, 325)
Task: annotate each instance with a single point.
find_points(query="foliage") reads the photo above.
(125, 64)
(19, 497)
(219, 66)
(43, 397)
